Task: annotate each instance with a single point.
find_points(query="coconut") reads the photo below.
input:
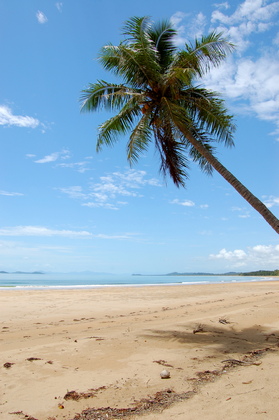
(165, 374)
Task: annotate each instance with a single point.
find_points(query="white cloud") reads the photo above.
(252, 84)
(96, 204)
(59, 5)
(104, 236)
(195, 26)
(49, 158)
(40, 231)
(176, 20)
(79, 166)
(243, 213)
(74, 192)
(46, 232)
(110, 188)
(41, 17)
(251, 16)
(237, 254)
(185, 203)
(271, 201)
(132, 179)
(259, 257)
(11, 194)
(252, 12)
(64, 154)
(224, 5)
(8, 118)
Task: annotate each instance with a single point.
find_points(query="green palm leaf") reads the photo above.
(209, 113)
(120, 124)
(203, 54)
(162, 35)
(140, 138)
(106, 95)
(172, 155)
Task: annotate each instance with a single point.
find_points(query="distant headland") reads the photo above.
(272, 273)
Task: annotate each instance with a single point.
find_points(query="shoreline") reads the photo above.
(110, 344)
(244, 279)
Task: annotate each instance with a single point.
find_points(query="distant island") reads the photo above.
(273, 273)
(21, 272)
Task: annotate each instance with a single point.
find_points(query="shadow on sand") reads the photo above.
(224, 339)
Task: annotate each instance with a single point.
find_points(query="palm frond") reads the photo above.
(162, 35)
(137, 67)
(183, 124)
(196, 156)
(120, 124)
(139, 42)
(171, 149)
(209, 113)
(140, 138)
(136, 29)
(177, 78)
(106, 95)
(209, 51)
(172, 156)
(176, 113)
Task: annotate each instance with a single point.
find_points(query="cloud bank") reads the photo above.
(40, 231)
(259, 256)
(250, 81)
(111, 189)
(8, 118)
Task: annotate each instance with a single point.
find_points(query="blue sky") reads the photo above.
(66, 208)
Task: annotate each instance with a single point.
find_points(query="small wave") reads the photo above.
(195, 282)
(87, 286)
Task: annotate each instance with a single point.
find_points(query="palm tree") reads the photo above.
(160, 101)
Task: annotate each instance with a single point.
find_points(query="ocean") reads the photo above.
(79, 281)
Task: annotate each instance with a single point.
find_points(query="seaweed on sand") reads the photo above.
(160, 400)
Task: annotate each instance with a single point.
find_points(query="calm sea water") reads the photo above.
(78, 281)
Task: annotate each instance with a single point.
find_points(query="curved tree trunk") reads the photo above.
(238, 186)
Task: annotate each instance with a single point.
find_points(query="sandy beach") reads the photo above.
(98, 353)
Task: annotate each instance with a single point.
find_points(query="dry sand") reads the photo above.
(219, 342)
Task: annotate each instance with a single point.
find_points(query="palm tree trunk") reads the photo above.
(238, 186)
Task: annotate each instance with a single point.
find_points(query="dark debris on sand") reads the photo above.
(8, 365)
(75, 396)
(164, 399)
(23, 415)
(160, 400)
